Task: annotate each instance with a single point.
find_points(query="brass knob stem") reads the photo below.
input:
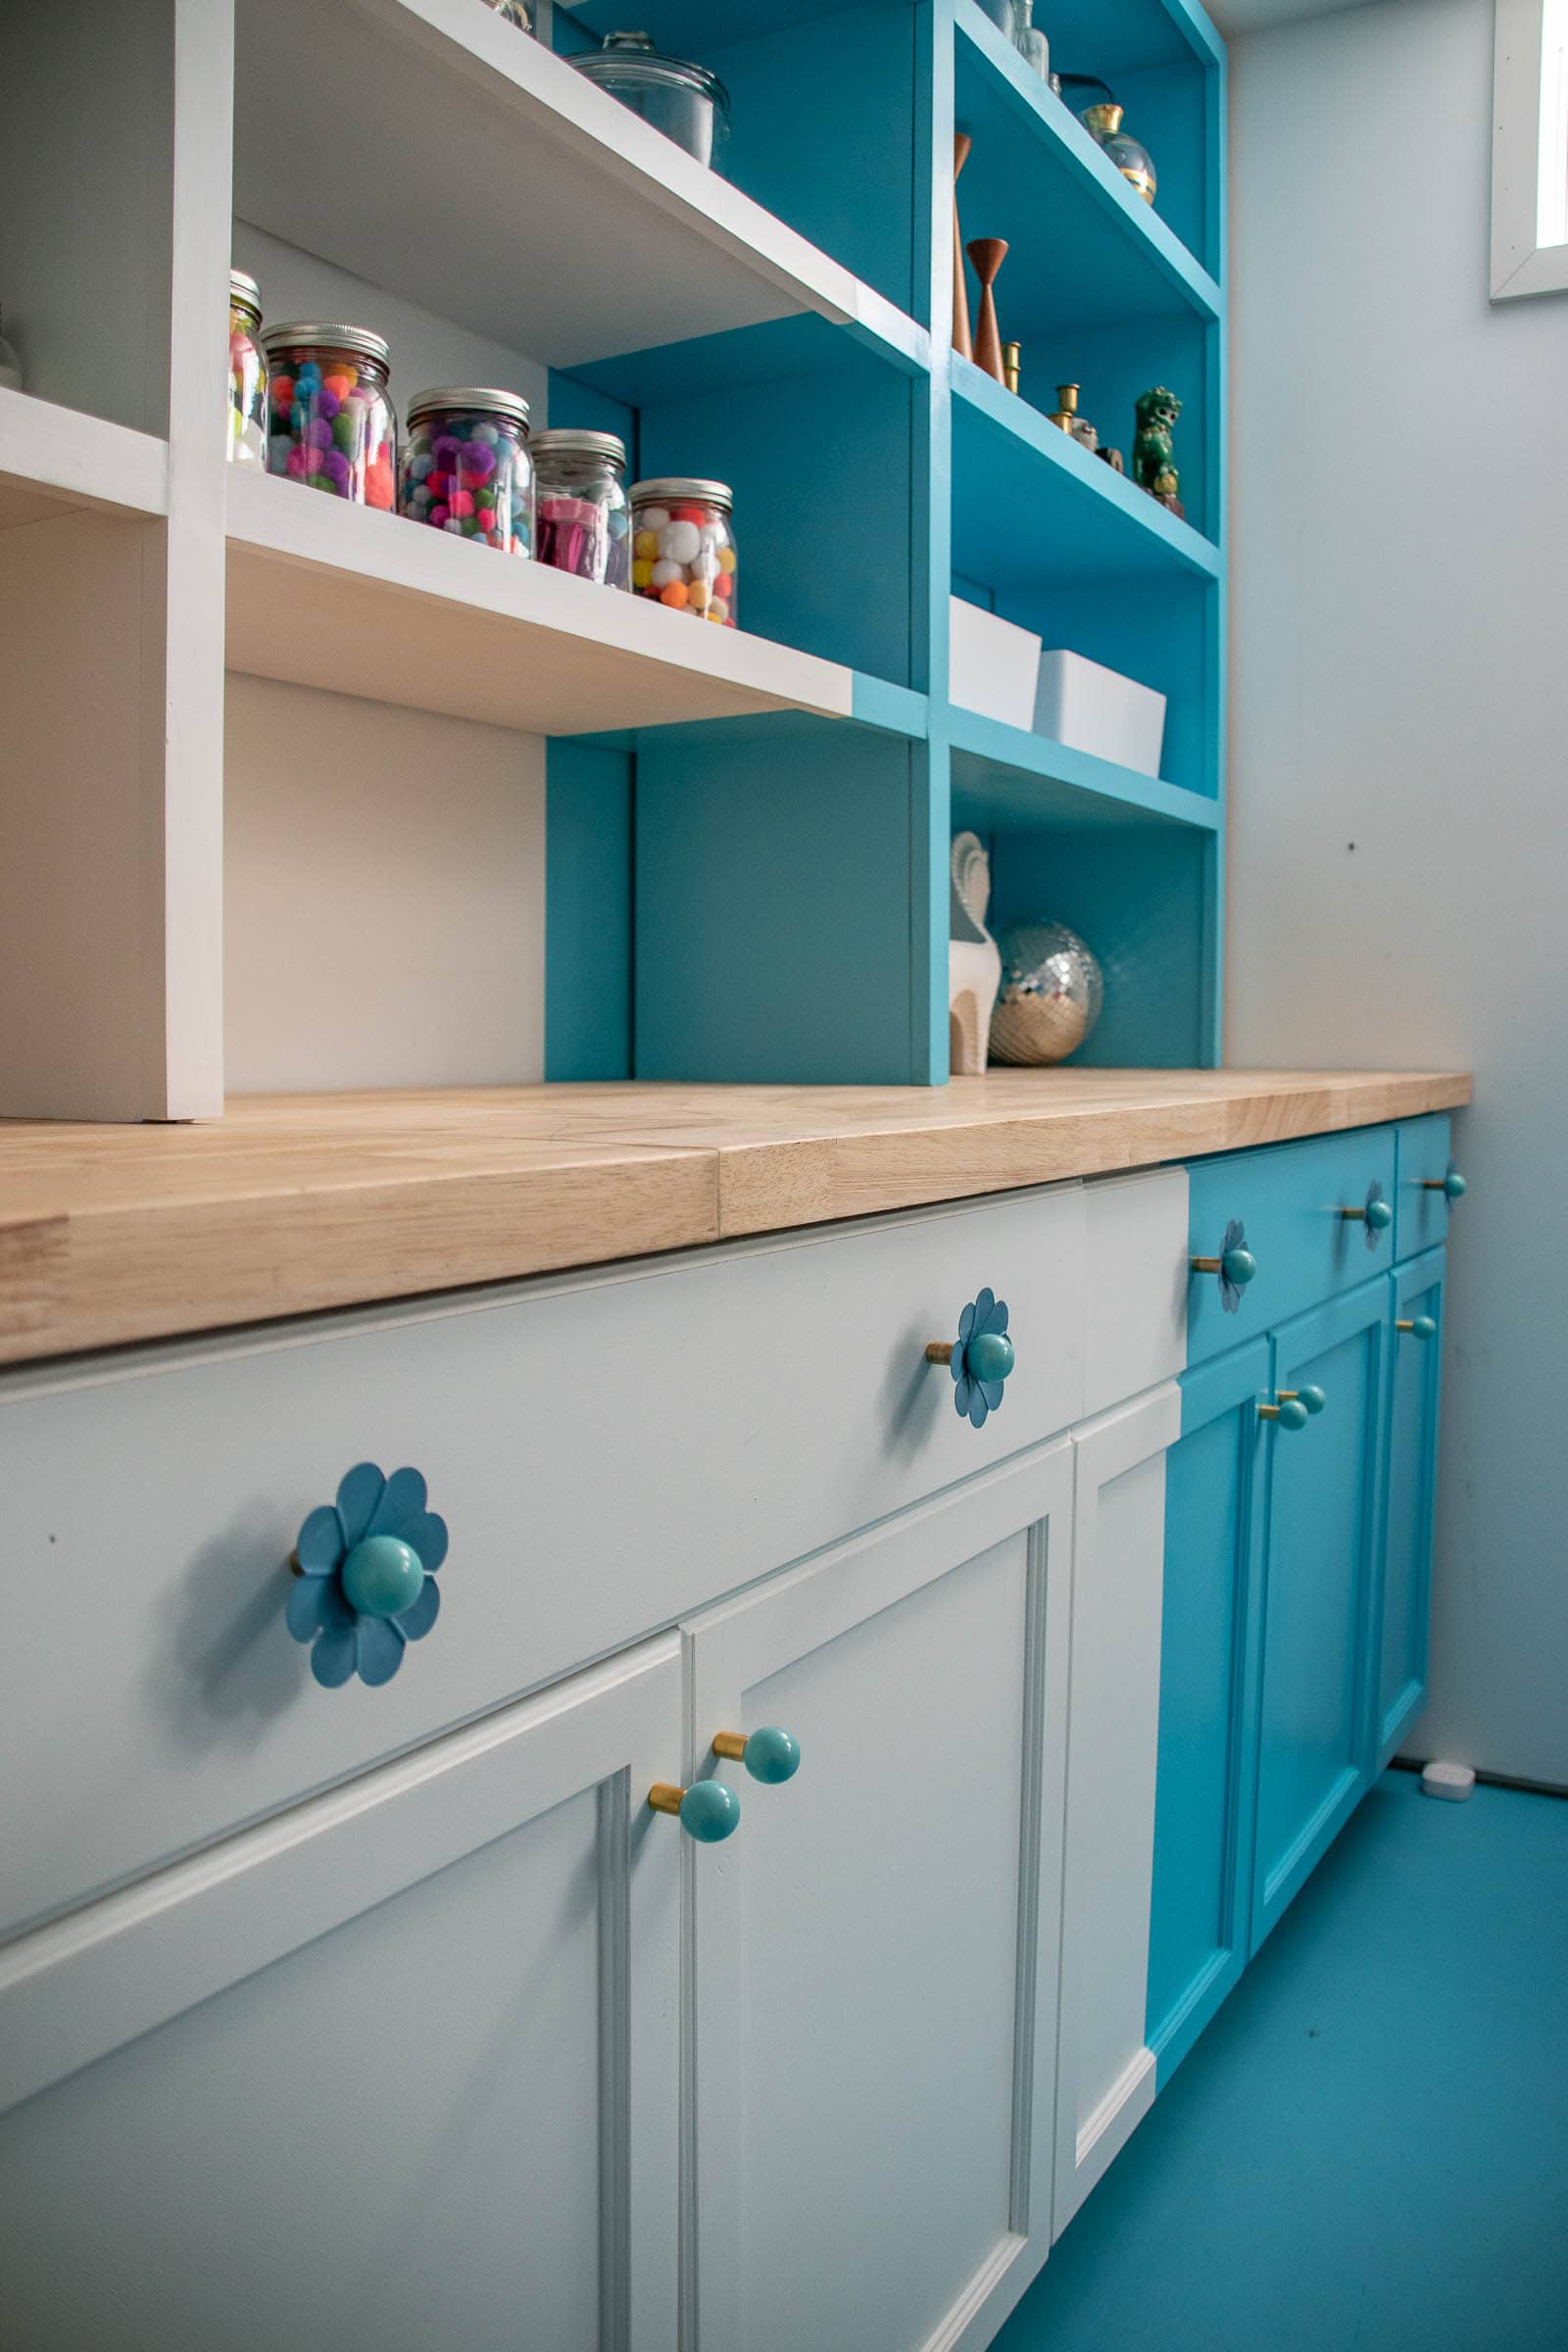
(939, 1351)
(1206, 1266)
(665, 1797)
(731, 1745)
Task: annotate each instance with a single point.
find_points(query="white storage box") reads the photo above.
(993, 666)
(1097, 710)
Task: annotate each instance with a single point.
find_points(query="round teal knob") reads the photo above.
(1379, 1215)
(1313, 1398)
(1453, 1186)
(382, 1576)
(709, 1812)
(988, 1356)
(1289, 1412)
(771, 1755)
(1421, 1327)
(1238, 1266)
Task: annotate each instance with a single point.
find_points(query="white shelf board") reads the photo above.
(55, 461)
(427, 144)
(322, 593)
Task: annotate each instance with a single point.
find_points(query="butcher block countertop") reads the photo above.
(294, 1203)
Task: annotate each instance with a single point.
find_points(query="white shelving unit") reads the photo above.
(419, 146)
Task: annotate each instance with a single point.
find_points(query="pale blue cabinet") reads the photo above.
(1199, 1914)
(1414, 1380)
(1321, 1546)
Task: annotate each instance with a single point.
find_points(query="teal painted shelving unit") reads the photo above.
(765, 897)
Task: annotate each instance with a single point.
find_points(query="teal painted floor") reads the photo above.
(1368, 2149)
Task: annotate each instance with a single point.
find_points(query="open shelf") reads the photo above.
(55, 461)
(326, 594)
(1004, 776)
(506, 192)
(1066, 514)
(1084, 250)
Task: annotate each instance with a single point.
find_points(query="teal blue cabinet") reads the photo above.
(1199, 1913)
(1426, 1179)
(1325, 1495)
(1414, 1379)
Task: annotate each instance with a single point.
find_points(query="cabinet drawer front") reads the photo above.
(1290, 1199)
(607, 1454)
(1135, 1240)
(1421, 1212)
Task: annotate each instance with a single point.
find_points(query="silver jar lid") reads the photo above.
(511, 404)
(243, 289)
(669, 486)
(627, 59)
(567, 441)
(358, 339)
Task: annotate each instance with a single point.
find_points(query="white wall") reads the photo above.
(1399, 682)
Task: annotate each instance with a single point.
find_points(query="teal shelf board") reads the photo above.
(770, 353)
(1126, 36)
(1085, 251)
(1031, 505)
(1004, 776)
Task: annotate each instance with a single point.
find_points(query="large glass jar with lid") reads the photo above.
(584, 517)
(247, 373)
(683, 546)
(686, 102)
(466, 467)
(333, 427)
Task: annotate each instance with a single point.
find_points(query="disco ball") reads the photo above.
(1050, 994)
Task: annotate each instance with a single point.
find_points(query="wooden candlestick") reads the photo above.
(962, 341)
(988, 255)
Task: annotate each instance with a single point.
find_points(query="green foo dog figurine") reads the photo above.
(1156, 412)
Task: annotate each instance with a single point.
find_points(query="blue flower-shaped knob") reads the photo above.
(367, 1568)
(769, 1755)
(1451, 1185)
(1419, 1327)
(1375, 1212)
(708, 1810)
(1234, 1265)
(979, 1359)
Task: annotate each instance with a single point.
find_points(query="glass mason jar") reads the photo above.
(686, 102)
(247, 373)
(683, 547)
(584, 517)
(466, 467)
(333, 425)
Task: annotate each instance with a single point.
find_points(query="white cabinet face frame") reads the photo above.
(966, 1596)
(85, 1988)
(1104, 2071)
(1530, 149)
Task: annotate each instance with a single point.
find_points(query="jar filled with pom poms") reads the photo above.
(683, 546)
(466, 467)
(332, 421)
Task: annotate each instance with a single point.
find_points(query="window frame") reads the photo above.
(1520, 266)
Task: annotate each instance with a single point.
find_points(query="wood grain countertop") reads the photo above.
(294, 1203)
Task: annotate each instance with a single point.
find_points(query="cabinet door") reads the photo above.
(875, 1949)
(1414, 1380)
(400, 2069)
(1105, 2071)
(1211, 1629)
(1325, 1505)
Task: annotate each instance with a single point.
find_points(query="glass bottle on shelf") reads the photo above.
(514, 12)
(247, 373)
(1033, 46)
(1129, 155)
(332, 422)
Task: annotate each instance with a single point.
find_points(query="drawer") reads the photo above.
(1135, 1245)
(1423, 1149)
(608, 1453)
(1291, 1199)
